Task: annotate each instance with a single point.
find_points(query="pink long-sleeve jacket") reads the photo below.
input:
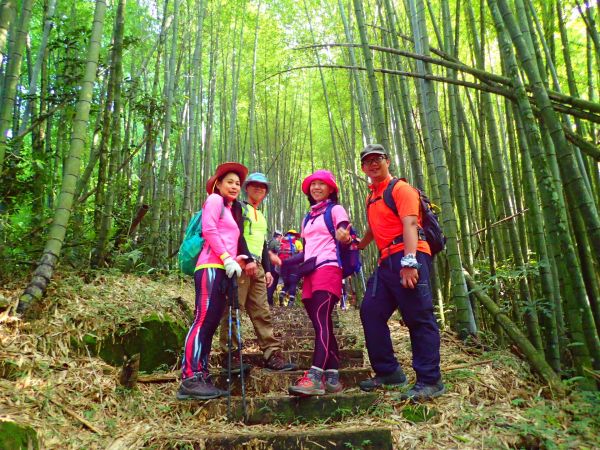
(220, 231)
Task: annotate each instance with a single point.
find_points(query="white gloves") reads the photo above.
(232, 267)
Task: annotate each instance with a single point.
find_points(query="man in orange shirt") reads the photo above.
(401, 280)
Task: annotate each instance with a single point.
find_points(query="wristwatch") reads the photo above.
(410, 261)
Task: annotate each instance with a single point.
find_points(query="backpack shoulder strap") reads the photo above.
(388, 198)
(306, 218)
(329, 219)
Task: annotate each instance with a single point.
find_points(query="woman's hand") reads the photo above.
(343, 235)
(232, 267)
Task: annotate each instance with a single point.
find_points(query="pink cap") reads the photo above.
(322, 175)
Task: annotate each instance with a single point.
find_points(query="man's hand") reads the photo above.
(275, 260)
(251, 269)
(366, 239)
(409, 277)
(343, 235)
(268, 279)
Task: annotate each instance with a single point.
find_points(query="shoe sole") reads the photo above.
(424, 399)
(285, 369)
(297, 393)
(334, 391)
(234, 371)
(383, 386)
(195, 397)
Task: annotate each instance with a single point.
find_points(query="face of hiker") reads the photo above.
(319, 190)
(376, 167)
(256, 192)
(230, 186)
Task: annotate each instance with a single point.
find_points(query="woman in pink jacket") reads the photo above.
(221, 225)
(322, 288)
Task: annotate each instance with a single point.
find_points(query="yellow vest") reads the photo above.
(255, 230)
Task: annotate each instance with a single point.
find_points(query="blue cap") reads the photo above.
(257, 177)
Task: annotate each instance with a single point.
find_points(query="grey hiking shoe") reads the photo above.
(199, 387)
(397, 379)
(332, 382)
(422, 392)
(311, 383)
(276, 363)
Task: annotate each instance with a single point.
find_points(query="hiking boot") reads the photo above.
(291, 302)
(235, 364)
(199, 387)
(281, 299)
(396, 378)
(276, 363)
(422, 392)
(311, 383)
(332, 382)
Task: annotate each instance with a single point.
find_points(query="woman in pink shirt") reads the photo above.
(322, 288)
(221, 225)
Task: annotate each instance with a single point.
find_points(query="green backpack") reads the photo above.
(192, 244)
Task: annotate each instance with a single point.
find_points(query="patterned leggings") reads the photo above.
(319, 308)
(211, 300)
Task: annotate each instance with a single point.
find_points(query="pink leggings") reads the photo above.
(319, 308)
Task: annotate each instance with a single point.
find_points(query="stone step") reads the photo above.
(365, 438)
(292, 325)
(307, 342)
(262, 381)
(304, 331)
(348, 358)
(285, 410)
(286, 314)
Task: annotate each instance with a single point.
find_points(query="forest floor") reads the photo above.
(73, 400)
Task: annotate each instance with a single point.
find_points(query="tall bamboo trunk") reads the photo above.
(159, 205)
(465, 324)
(11, 78)
(99, 252)
(376, 108)
(29, 300)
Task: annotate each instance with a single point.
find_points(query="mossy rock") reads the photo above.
(14, 436)
(158, 339)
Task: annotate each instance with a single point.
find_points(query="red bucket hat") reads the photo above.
(222, 169)
(322, 175)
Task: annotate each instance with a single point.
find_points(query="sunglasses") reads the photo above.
(372, 160)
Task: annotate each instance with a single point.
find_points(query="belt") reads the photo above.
(400, 239)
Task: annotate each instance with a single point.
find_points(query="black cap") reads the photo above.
(373, 149)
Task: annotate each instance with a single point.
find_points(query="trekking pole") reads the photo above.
(236, 306)
(229, 359)
(362, 278)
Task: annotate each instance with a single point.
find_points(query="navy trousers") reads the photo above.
(384, 294)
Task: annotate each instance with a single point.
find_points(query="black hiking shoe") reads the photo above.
(236, 367)
(276, 363)
(199, 387)
(396, 379)
(422, 392)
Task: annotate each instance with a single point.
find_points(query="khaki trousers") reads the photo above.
(252, 294)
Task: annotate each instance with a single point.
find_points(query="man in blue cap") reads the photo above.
(255, 278)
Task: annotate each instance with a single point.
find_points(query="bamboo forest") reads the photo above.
(122, 122)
